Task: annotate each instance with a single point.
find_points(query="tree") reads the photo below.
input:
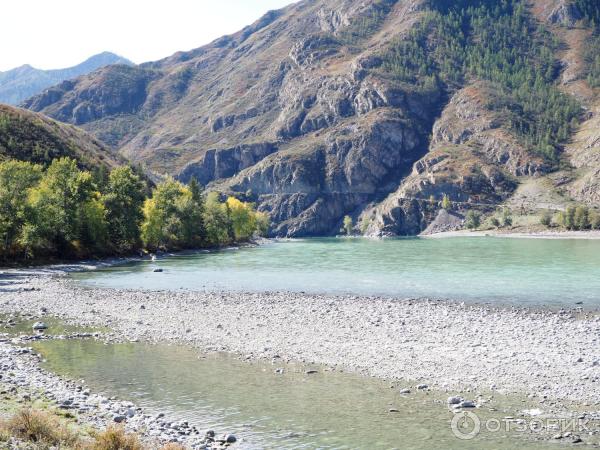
(216, 220)
(57, 210)
(348, 226)
(507, 219)
(446, 203)
(123, 201)
(546, 219)
(595, 220)
(568, 220)
(262, 223)
(172, 218)
(243, 218)
(16, 178)
(473, 220)
(581, 218)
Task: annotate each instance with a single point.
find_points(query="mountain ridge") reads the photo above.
(32, 137)
(20, 83)
(339, 107)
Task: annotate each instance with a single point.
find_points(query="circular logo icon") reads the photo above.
(466, 425)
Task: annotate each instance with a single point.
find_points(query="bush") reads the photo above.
(581, 218)
(595, 220)
(40, 428)
(507, 219)
(348, 225)
(446, 203)
(546, 219)
(577, 218)
(473, 220)
(115, 438)
(495, 222)
(173, 446)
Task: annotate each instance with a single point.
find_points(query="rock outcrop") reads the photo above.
(301, 113)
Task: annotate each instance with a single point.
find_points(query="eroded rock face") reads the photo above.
(298, 113)
(472, 159)
(468, 120)
(566, 14)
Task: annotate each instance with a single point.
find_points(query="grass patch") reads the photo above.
(38, 427)
(115, 438)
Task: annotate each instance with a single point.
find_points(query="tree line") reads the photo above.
(63, 211)
(500, 42)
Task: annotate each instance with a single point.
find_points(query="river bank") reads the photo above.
(527, 234)
(550, 355)
(25, 385)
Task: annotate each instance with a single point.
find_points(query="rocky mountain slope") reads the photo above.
(19, 84)
(371, 108)
(28, 136)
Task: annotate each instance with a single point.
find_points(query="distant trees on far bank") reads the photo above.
(578, 218)
(65, 212)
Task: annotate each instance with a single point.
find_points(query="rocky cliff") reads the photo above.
(370, 108)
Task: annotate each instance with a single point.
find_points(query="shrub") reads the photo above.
(473, 220)
(446, 203)
(546, 219)
(348, 225)
(595, 220)
(173, 446)
(581, 218)
(495, 222)
(40, 428)
(507, 219)
(115, 438)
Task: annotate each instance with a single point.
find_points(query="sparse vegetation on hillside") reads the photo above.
(495, 41)
(27, 136)
(366, 24)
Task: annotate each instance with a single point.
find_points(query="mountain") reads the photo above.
(28, 136)
(369, 108)
(20, 83)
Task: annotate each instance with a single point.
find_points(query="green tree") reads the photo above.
(546, 219)
(446, 203)
(348, 226)
(569, 218)
(57, 210)
(472, 220)
(16, 178)
(595, 220)
(123, 201)
(507, 219)
(581, 218)
(216, 221)
(262, 223)
(243, 219)
(172, 219)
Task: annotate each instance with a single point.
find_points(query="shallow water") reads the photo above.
(327, 410)
(508, 271)
(56, 327)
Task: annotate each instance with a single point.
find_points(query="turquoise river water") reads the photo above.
(530, 272)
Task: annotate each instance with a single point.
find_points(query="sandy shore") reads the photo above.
(548, 355)
(595, 234)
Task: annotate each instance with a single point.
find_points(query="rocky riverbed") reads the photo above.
(26, 384)
(550, 355)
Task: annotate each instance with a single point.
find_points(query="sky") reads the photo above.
(52, 34)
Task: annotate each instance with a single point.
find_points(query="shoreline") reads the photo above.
(582, 235)
(28, 386)
(447, 345)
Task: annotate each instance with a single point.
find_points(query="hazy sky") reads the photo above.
(51, 34)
